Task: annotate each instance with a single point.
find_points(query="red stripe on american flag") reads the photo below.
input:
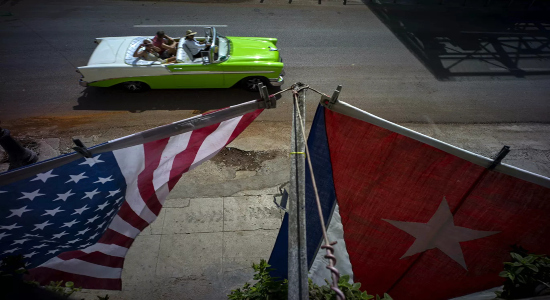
(115, 238)
(183, 160)
(153, 153)
(95, 257)
(127, 214)
(44, 275)
(243, 123)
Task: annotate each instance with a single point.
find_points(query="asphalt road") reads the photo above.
(322, 45)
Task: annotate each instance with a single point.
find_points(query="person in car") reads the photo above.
(166, 44)
(195, 46)
(150, 53)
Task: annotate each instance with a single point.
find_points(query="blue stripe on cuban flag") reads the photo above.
(320, 158)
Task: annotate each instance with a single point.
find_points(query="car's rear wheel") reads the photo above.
(252, 83)
(135, 86)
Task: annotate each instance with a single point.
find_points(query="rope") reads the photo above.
(328, 245)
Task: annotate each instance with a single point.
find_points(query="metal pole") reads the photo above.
(297, 248)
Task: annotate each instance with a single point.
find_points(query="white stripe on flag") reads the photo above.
(80, 267)
(122, 227)
(335, 232)
(109, 249)
(215, 141)
(131, 162)
(161, 175)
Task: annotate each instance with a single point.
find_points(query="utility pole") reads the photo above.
(297, 248)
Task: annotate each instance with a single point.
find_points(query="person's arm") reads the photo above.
(171, 40)
(156, 49)
(140, 53)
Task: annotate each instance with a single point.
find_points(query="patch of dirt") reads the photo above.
(244, 160)
(34, 125)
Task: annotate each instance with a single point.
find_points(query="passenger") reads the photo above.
(166, 44)
(195, 46)
(150, 53)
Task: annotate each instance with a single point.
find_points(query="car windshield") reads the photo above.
(223, 48)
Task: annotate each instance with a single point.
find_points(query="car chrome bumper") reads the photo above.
(277, 81)
(82, 83)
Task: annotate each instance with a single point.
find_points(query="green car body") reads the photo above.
(231, 61)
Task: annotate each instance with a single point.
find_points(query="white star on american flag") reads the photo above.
(53, 251)
(109, 213)
(32, 195)
(30, 254)
(73, 241)
(92, 161)
(19, 242)
(103, 180)
(64, 196)
(83, 231)
(40, 246)
(102, 206)
(41, 226)
(18, 212)
(14, 226)
(91, 194)
(56, 236)
(3, 234)
(69, 224)
(112, 193)
(80, 210)
(44, 176)
(31, 235)
(11, 251)
(101, 225)
(52, 212)
(93, 236)
(92, 219)
(77, 178)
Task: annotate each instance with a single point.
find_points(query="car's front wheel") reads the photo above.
(135, 86)
(252, 83)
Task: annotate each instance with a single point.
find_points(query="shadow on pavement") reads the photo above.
(94, 98)
(453, 40)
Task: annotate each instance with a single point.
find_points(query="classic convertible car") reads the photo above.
(231, 61)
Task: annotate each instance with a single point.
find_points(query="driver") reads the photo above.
(195, 46)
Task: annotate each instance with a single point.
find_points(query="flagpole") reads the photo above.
(157, 133)
(297, 248)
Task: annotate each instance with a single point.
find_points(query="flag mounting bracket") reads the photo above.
(329, 102)
(501, 155)
(80, 148)
(266, 100)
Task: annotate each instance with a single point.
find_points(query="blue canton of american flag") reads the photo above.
(65, 209)
(76, 222)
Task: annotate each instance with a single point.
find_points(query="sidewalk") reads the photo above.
(221, 217)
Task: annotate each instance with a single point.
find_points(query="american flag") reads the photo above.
(77, 221)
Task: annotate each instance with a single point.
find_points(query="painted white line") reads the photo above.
(180, 25)
(522, 69)
(503, 33)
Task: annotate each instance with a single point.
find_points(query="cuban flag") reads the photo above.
(414, 217)
(74, 218)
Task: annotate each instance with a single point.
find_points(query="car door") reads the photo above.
(197, 75)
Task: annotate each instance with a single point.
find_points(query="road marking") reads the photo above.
(522, 69)
(180, 25)
(503, 33)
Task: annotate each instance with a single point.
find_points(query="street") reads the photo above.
(478, 83)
